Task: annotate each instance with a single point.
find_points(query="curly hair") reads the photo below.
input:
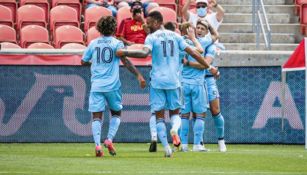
(106, 25)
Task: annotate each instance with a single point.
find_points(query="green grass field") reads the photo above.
(66, 158)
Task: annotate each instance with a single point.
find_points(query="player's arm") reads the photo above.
(196, 64)
(128, 64)
(85, 63)
(201, 60)
(87, 56)
(133, 53)
(213, 32)
(185, 10)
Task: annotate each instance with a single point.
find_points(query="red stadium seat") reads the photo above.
(11, 4)
(71, 3)
(122, 14)
(6, 16)
(168, 14)
(7, 34)
(44, 4)
(73, 46)
(68, 34)
(7, 45)
(169, 4)
(139, 61)
(30, 15)
(92, 15)
(298, 5)
(91, 34)
(33, 34)
(63, 15)
(40, 46)
(303, 17)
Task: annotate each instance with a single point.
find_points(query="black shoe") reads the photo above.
(153, 146)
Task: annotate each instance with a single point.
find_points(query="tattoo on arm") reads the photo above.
(130, 66)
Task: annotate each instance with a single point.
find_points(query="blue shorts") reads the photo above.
(98, 100)
(213, 92)
(195, 99)
(167, 99)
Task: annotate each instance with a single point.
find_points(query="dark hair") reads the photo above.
(106, 25)
(156, 15)
(136, 3)
(170, 26)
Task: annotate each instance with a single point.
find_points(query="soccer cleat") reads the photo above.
(176, 138)
(98, 151)
(184, 148)
(222, 146)
(168, 152)
(153, 146)
(108, 144)
(199, 148)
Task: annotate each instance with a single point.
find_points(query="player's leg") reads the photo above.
(199, 108)
(97, 106)
(153, 133)
(114, 100)
(185, 117)
(157, 104)
(174, 103)
(216, 112)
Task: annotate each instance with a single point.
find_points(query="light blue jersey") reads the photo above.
(192, 75)
(210, 52)
(165, 46)
(105, 64)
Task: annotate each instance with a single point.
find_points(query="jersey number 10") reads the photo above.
(101, 54)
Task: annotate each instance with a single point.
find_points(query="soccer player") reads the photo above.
(165, 89)
(106, 86)
(195, 100)
(152, 122)
(213, 93)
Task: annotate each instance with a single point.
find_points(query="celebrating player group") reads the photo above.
(182, 81)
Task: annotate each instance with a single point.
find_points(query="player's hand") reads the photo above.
(142, 81)
(191, 33)
(214, 71)
(218, 75)
(184, 61)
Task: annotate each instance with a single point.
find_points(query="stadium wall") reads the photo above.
(47, 102)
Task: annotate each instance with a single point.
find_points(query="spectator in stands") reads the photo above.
(150, 6)
(106, 86)
(131, 30)
(104, 3)
(204, 11)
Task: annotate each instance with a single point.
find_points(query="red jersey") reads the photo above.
(132, 31)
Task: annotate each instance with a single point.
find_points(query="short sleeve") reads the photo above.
(120, 45)
(211, 51)
(182, 43)
(87, 55)
(149, 42)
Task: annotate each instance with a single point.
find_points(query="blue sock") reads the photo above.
(161, 129)
(114, 124)
(219, 125)
(153, 127)
(198, 129)
(176, 122)
(184, 133)
(96, 130)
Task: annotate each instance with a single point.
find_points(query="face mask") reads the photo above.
(202, 12)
